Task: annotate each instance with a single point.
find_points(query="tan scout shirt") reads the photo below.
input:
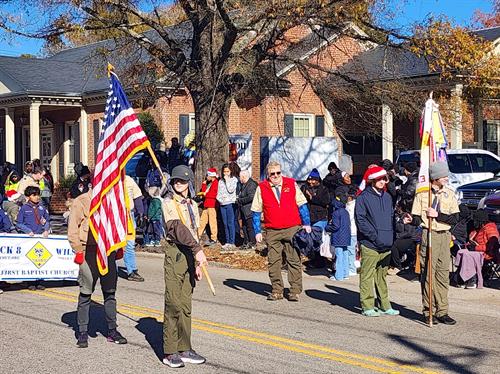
(78, 222)
(25, 182)
(174, 209)
(448, 204)
(133, 190)
(300, 199)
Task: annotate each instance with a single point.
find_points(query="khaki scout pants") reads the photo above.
(279, 242)
(208, 215)
(179, 283)
(374, 267)
(440, 272)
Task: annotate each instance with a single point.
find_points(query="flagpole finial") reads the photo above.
(110, 69)
(430, 94)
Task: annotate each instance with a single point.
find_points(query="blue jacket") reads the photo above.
(374, 216)
(308, 243)
(27, 221)
(340, 227)
(5, 224)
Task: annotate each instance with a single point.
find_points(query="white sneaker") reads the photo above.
(1, 291)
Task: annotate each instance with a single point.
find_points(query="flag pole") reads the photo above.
(155, 161)
(429, 241)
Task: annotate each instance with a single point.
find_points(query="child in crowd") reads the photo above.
(33, 219)
(340, 230)
(155, 218)
(350, 205)
(208, 192)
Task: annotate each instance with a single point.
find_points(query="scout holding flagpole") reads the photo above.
(435, 209)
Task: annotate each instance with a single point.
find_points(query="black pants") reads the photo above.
(248, 230)
(401, 247)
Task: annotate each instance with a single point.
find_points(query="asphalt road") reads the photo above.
(240, 332)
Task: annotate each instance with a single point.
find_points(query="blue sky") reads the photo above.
(406, 12)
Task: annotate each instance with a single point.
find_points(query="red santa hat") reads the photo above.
(12, 195)
(373, 172)
(376, 172)
(212, 172)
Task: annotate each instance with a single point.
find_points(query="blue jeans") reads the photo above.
(341, 263)
(227, 213)
(129, 255)
(352, 254)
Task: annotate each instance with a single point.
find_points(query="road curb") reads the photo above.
(211, 263)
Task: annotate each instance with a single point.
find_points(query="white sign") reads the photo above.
(240, 151)
(24, 257)
(298, 156)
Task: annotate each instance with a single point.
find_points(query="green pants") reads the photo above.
(179, 283)
(440, 265)
(372, 278)
(279, 242)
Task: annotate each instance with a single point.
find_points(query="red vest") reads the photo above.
(280, 215)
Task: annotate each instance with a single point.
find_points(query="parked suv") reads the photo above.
(466, 165)
(471, 194)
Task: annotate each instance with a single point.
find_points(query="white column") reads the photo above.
(10, 140)
(34, 131)
(456, 123)
(387, 133)
(84, 137)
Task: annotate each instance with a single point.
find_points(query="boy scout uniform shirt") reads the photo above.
(176, 208)
(446, 203)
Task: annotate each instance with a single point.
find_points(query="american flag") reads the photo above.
(121, 137)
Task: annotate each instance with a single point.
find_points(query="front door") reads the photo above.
(46, 145)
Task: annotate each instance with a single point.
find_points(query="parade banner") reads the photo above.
(240, 151)
(24, 257)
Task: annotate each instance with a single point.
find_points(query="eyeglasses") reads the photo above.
(275, 174)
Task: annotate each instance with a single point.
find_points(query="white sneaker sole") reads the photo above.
(192, 361)
(168, 363)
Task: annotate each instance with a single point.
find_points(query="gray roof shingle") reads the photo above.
(490, 34)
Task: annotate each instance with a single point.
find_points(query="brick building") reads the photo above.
(53, 107)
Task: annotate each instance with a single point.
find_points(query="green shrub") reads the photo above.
(152, 130)
(67, 181)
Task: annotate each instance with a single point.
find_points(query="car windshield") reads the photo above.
(408, 157)
(459, 163)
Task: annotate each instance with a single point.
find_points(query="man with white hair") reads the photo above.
(284, 208)
(244, 201)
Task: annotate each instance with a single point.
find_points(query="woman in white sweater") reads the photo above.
(226, 196)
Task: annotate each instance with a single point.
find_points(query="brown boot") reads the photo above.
(274, 296)
(293, 297)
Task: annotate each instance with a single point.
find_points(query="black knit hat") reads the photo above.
(411, 166)
(387, 164)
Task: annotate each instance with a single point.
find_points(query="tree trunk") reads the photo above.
(211, 128)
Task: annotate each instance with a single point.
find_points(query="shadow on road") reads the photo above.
(153, 332)
(97, 320)
(471, 354)
(349, 300)
(259, 288)
(47, 284)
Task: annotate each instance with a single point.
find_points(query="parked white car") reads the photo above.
(466, 165)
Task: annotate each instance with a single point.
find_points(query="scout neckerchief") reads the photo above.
(189, 206)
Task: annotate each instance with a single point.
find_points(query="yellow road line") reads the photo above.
(260, 338)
